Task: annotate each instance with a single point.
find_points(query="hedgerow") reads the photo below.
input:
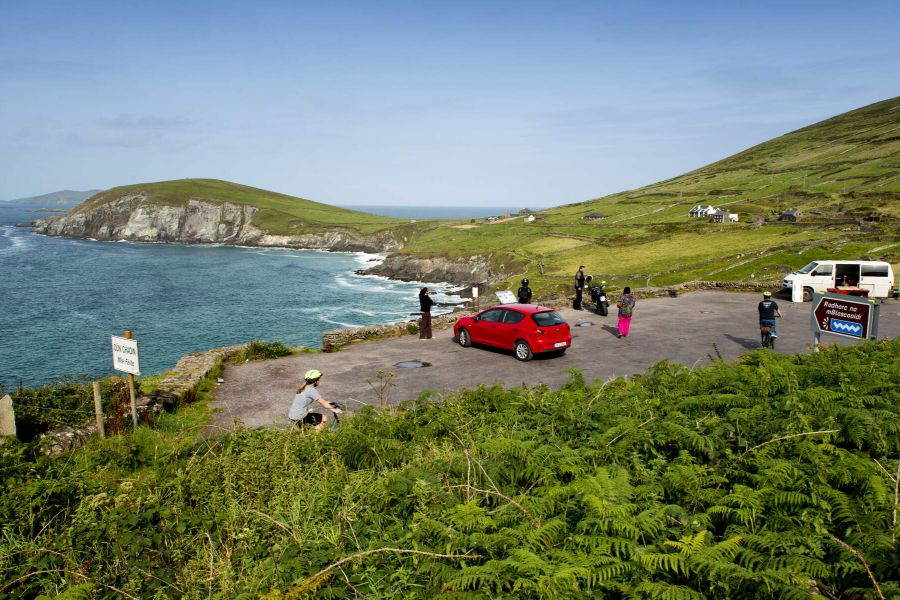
(773, 477)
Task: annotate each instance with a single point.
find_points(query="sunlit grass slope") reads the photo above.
(843, 174)
(278, 214)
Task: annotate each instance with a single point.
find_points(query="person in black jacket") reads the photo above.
(579, 287)
(425, 304)
(524, 292)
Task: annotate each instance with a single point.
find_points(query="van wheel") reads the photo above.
(807, 294)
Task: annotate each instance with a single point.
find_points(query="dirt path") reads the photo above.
(690, 330)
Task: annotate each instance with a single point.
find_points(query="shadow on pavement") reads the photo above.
(612, 330)
(743, 342)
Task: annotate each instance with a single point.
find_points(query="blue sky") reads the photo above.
(421, 103)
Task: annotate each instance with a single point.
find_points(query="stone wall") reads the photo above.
(335, 340)
(179, 385)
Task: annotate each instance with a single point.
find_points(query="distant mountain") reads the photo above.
(63, 199)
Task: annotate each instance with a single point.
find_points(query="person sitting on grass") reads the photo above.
(301, 413)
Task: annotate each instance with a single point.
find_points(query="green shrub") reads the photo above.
(770, 477)
(258, 350)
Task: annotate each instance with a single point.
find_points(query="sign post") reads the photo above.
(127, 359)
(845, 316)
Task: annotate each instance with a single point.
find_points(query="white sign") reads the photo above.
(506, 297)
(475, 291)
(125, 355)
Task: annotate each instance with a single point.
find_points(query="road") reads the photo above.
(690, 329)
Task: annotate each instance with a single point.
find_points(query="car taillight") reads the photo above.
(539, 331)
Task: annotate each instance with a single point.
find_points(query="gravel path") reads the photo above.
(689, 329)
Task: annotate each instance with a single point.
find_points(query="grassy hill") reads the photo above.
(843, 174)
(278, 214)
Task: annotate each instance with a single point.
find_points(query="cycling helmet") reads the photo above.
(767, 294)
(312, 375)
(525, 281)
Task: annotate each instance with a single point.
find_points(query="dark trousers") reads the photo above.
(425, 326)
(578, 292)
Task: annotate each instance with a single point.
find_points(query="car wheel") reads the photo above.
(523, 351)
(465, 340)
(807, 294)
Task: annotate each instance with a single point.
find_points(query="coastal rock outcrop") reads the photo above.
(134, 219)
(461, 271)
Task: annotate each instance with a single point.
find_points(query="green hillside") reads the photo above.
(278, 214)
(843, 174)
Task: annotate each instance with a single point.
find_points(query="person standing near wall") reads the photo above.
(425, 304)
(579, 287)
(625, 302)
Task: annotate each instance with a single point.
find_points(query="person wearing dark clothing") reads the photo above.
(579, 287)
(524, 293)
(768, 311)
(425, 304)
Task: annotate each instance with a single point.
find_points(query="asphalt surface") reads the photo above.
(691, 329)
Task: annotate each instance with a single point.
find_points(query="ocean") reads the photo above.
(61, 300)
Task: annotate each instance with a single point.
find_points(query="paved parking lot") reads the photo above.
(688, 329)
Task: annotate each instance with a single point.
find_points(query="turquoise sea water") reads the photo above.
(62, 299)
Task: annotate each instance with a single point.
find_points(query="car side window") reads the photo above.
(512, 317)
(822, 270)
(495, 315)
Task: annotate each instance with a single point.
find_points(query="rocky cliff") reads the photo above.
(132, 218)
(463, 272)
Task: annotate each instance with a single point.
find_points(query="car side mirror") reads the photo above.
(475, 318)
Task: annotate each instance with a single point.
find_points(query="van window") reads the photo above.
(874, 271)
(823, 270)
(808, 267)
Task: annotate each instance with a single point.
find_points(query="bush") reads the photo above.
(258, 350)
(771, 477)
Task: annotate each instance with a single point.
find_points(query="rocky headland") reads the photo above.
(198, 221)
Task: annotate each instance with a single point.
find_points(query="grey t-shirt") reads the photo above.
(302, 402)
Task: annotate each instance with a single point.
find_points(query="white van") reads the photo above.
(875, 276)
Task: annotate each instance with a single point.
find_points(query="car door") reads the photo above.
(510, 329)
(485, 329)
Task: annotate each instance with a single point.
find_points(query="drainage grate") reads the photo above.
(412, 364)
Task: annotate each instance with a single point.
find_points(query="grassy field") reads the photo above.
(842, 174)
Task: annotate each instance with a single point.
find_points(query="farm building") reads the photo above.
(594, 217)
(723, 216)
(790, 215)
(529, 219)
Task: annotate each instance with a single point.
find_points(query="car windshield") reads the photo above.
(808, 267)
(547, 319)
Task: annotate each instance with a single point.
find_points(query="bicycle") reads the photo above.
(766, 338)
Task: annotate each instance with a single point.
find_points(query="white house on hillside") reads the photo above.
(529, 219)
(702, 211)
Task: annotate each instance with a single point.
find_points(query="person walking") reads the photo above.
(625, 302)
(425, 304)
(579, 287)
(301, 412)
(524, 293)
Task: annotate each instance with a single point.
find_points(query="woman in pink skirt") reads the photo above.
(625, 302)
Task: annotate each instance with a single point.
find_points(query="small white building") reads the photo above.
(702, 211)
(723, 216)
(529, 219)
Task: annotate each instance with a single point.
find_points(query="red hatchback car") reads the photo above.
(526, 329)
